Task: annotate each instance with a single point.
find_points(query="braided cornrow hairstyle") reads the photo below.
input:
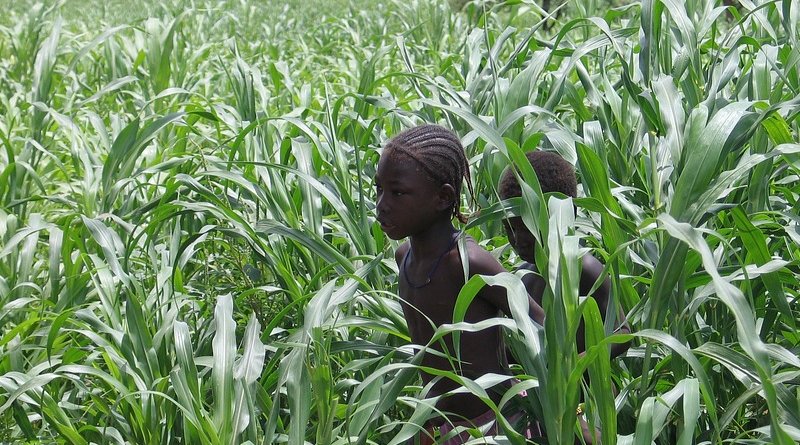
(440, 153)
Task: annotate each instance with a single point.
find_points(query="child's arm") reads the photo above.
(483, 263)
(592, 270)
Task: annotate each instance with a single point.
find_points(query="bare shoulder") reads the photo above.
(591, 271)
(481, 262)
(401, 252)
(592, 267)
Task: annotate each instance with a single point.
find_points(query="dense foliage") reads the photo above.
(188, 248)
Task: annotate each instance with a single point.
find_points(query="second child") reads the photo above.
(555, 174)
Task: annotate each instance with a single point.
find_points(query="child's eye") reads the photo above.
(398, 193)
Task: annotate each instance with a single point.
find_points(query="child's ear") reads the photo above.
(447, 197)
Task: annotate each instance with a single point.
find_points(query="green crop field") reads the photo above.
(188, 245)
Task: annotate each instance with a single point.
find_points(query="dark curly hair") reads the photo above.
(554, 173)
(439, 152)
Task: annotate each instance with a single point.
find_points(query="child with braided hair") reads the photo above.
(418, 184)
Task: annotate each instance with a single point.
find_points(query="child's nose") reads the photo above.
(381, 204)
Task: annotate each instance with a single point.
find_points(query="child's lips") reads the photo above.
(385, 225)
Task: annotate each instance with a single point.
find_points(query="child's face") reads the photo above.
(520, 238)
(408, 201)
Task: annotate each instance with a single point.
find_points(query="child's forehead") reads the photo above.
(391, 158)
(396, 162)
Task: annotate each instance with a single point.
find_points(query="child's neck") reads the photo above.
(433, 241)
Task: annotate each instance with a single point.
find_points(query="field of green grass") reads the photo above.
(188, 245)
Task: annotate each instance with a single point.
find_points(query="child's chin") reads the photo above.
(392, 234)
